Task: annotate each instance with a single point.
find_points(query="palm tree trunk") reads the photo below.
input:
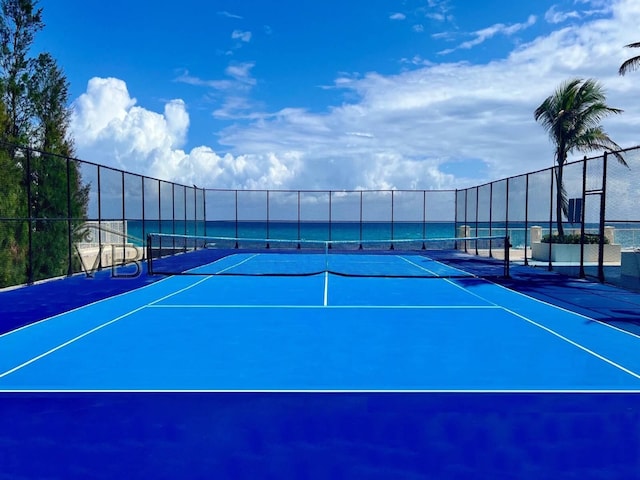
(559, 205)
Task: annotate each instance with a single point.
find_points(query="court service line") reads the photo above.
(575, 344)
(326, 288)
(239, 263)
(95, 329)
(416, 265)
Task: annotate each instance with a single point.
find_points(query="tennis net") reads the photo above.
(169, 254)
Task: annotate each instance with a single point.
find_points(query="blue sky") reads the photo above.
(359, 94)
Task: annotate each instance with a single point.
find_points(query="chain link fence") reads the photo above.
(594, 202)
(62, 216)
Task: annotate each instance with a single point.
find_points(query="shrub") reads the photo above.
(573, 238)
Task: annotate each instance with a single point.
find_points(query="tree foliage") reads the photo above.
(631, 64)
(45, 190)
(572, 117)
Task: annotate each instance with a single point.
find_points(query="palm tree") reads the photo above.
(572, 117)
(631, 64)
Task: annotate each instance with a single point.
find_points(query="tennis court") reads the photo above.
(314, 362)
(252, 322)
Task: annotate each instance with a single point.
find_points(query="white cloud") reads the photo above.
(241, 72)
(485, 34)
(242, 36)
(229, 15)
(403, 130)
(554, 16)
(110, 129)
(398, 16)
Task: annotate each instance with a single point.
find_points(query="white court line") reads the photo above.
(239, 263)
(439, 263)
(99, 327)
(575, 344)
(549, 330)
(578, 391)
(586, 317)
(128, 292)
(326, 288)
(416, 265)
(359, 307)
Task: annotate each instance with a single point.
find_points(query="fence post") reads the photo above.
(455, 219)
(69, 222)
(29, 220)
(552, 170)
(477, 234)
(360, 246)
(204, 210)
(526, 219)
(603, 204)
(268, 229)
(582, 215)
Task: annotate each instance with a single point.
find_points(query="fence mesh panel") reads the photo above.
(58, 215)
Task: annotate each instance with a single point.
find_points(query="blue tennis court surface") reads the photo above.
(319, 376)
(320, 332)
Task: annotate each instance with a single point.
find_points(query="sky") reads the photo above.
(302, 94)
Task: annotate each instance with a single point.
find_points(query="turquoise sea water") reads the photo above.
(323, 231)
(626, 235)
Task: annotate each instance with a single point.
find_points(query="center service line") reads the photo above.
(326, 287)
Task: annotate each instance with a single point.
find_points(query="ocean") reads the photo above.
(323, 231)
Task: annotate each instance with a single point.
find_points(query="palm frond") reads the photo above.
(632, 63)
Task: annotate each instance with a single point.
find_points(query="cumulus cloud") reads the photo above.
(110, 129)
(398, 16)
(422, 128)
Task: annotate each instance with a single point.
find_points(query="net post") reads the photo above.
(149, 256)
(326, 256)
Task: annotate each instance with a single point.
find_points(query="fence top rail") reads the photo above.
(275, 190)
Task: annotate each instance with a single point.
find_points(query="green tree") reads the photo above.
(13, 233)
(58, 203)
(19, 23)
(34, 92)
(572, 117)
(633, 63)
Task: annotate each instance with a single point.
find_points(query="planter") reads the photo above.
(561, 252)
(630, 264)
